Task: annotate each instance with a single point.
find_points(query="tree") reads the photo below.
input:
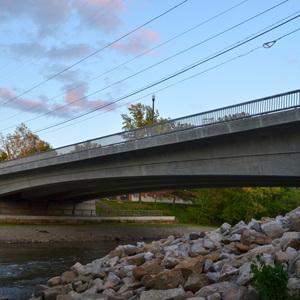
(21, 143)
(140, 116)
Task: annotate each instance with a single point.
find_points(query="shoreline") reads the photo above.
(93, 233)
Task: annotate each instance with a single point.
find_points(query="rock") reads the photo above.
(272, 229)
(283, 257)
(191, 266)
(256, 226)
(267, 249)
(108, 285)
(213, 237)
(224, 227)
(50, 294)
(116, 253)
(255, 238)
(131, 250)
(194, 236)
(207, 264)
(53, 281)
(199, 249)
(215, 296)
(234, 294)
(220, 288)
(186, 295)
(153, 269)
(67, 277)
(138, 259)
(242, 248)
(195, 282)
(293, 286)
(295, 226)
(166, 280)
(244, 274)
(78, 268)
(290, 239)
(113, 278)
(294, 263)
(161, 295)
(149, 256)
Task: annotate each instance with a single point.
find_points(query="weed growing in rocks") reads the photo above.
(270, 282)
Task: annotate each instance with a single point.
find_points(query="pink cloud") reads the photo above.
(73, 103)
(138, 43)
(291, 60)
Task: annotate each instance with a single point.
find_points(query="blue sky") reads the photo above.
(42, 38)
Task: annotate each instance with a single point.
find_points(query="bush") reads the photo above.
(271, 283)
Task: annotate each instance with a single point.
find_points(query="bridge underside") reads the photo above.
(78, 191)
(260, 151)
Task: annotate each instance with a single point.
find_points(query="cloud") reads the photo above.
(138, 43)
(102, 14)
(47, 15)
(291, 60)
(44, 14)
(76, 102)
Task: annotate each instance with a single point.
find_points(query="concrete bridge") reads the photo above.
(256, 143)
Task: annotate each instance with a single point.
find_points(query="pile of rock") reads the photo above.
(198, 266)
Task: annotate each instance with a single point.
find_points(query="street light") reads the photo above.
(153, 99)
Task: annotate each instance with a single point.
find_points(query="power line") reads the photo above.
(135, 74)
(202, 23)
(157, 91)
(174, 75)
(92, 54)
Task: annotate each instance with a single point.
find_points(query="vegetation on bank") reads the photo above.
(215, 206)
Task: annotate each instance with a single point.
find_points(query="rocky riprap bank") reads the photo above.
(198, 266)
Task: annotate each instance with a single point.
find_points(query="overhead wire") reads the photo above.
(136, 57)
(95, 52)
(171, 76)
(137, 73)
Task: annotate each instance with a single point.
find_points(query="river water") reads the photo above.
(23, 266)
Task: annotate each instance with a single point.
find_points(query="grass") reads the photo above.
(180, 211)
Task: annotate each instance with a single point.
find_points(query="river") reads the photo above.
(23, 266)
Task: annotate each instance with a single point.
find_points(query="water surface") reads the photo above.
(23, 266)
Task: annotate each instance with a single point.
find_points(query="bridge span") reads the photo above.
(256, 143)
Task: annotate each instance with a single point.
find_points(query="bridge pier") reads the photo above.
(39, 208)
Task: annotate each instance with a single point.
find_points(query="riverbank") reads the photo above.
(92, 233)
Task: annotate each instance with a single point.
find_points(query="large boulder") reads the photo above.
(255, 238)
(168, 279)
(272, 229)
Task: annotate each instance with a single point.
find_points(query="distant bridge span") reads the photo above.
(227, 149)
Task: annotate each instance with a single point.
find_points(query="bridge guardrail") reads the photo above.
(267, 105)
(129, 213)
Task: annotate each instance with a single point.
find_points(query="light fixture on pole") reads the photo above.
(153, 99)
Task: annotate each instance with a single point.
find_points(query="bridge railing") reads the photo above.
(267, 105)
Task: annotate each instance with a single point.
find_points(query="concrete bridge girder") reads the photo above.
(257, 151)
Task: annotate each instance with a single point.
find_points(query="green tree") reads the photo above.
(22, 142)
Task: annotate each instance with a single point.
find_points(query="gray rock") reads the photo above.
(272, 229)
(50, 294)
(213, 277)
(215, 296)
(161, 295)
(256, 226)
(290, 239)
(113, 278)
(194, 236)
(294, 263)
(244, 274)
(225, 227)
(207, 264)
(78, 268)
(220, 288)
